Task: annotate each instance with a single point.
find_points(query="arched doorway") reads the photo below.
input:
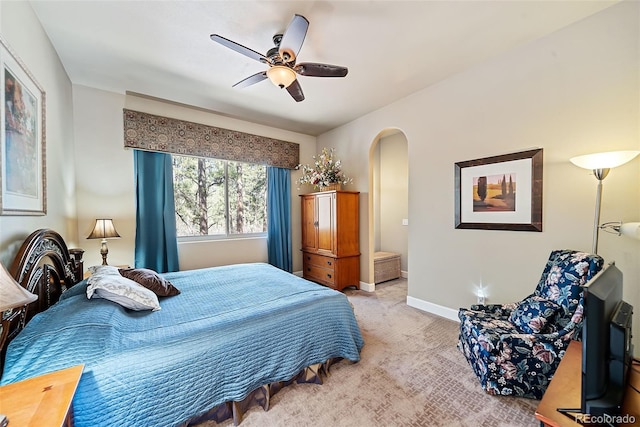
(389, 198)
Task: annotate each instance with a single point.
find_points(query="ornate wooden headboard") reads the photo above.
(46, 267)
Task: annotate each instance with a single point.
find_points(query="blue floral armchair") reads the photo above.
(514, 349)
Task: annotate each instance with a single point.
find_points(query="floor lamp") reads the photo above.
(629, 229)
(601, 164)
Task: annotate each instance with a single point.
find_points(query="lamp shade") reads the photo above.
(630, 229)
(12, 295)
(103, 229)
(281, 76)
(608, 160)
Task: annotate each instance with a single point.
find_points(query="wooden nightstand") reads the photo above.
(43, 401)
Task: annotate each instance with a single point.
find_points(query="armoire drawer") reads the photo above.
(319, 260)
(319, 274)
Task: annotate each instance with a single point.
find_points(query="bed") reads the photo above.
(234, 335)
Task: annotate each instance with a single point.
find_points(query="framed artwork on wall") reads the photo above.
(500, 192)
(22, 139)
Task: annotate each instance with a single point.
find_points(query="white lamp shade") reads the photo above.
(630, 229)
(11, 293)
(606, 160)
(281, 76)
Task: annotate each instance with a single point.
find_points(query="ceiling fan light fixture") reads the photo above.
(281, 60)
(281, 76)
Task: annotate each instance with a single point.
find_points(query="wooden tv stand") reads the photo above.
(565, 389)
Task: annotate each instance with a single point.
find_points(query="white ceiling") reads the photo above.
(392, 49)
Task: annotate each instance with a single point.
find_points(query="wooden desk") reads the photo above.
(43, 401)
(566, 386)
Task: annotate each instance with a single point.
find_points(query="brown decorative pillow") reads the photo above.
(150, 280)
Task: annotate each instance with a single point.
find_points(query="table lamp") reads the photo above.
(12, 295)
(104, 230)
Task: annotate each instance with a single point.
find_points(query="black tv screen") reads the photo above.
(606, 348)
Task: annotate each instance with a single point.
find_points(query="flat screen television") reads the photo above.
(606, 347)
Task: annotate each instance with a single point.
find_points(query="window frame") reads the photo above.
(226, 235)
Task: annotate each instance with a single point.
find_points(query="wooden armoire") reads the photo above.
(331, 238)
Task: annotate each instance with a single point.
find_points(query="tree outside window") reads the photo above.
(218, 197)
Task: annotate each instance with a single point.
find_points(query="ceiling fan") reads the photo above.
(281, 60)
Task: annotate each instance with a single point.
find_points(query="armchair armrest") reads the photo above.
(536, 344)
(495, 309)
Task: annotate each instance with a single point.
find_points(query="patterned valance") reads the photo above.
(156, 133)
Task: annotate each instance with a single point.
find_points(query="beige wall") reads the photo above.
(21, 29)
(106, 181)
(573, 92)
(105, 187)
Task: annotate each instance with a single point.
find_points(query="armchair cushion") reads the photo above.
(532, 314)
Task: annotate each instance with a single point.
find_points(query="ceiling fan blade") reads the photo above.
(253, 79)
(320, 70)
(239, 48)
(293, 38)
(295, 90)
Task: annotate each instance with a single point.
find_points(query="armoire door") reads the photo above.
(325, 217)
(309, 229)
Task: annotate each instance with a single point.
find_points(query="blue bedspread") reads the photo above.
(231, 330)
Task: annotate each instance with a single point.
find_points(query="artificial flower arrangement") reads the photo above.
(324, 172)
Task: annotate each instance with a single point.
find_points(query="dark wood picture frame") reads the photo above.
(23, 178)
(526, 213)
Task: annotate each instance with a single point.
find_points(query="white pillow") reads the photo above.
(126, 292)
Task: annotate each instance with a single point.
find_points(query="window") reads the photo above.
(219, 197)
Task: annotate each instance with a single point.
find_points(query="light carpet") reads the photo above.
(410, 374)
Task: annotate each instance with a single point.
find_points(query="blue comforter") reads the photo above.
(231, 330)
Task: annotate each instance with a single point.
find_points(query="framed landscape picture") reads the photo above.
(500, 192)
(22, 139)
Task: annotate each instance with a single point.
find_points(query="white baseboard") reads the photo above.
(439, 310)
(297, 273)
(404, 274)
(367, 287)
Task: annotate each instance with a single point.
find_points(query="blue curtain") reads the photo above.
(156, 242)
(279, 218)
